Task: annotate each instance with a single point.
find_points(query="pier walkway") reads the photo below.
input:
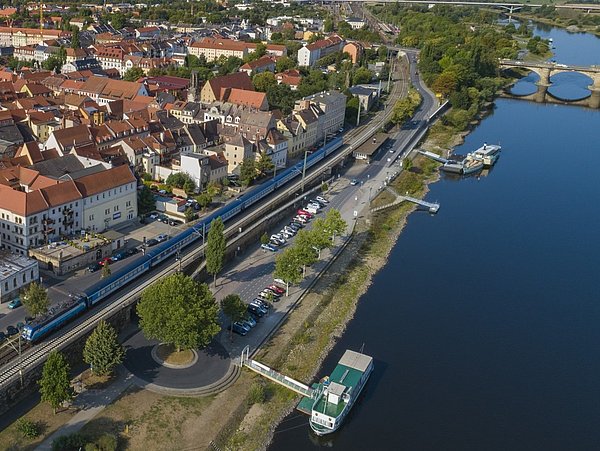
(433, 156)
(273, 375)
(432, 207)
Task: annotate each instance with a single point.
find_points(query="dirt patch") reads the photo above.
(168, 354)
(92, 381)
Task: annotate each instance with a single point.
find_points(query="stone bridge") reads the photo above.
(546, 71)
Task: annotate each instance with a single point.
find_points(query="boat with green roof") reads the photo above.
(334, 395)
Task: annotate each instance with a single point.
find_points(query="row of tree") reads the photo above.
(290, 265)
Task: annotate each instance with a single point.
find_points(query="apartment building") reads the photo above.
(310, 53)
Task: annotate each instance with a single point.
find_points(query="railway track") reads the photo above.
(36, 354)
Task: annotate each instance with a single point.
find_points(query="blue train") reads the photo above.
(65, 312)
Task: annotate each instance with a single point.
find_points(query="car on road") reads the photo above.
(268, 247)
(322, 200)
(11, 330)
(151, 242)
(239, 329)
(15, 303)
(354, 182)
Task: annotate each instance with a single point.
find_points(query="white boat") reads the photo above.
(488, 153)
(472, 164)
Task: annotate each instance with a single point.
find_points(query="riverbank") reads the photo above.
(309, 334)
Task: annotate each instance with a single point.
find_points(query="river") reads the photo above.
(485, 322)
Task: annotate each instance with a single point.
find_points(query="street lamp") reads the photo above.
(304, 169)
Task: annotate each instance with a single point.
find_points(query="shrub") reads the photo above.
(28, 428)
(257, 394)
(68, 442)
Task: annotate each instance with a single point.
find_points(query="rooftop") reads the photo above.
(11, 264)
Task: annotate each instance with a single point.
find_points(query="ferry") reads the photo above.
(489, 153)
(336, 394)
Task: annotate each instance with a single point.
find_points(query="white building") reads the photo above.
(16, 272)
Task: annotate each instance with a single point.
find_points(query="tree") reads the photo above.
(264, 238)
(204, 200)
(334, 223)
(134, 74)
(180, 180)
(215, 248)
(284, 63)
(382, 53)
(287, 267)
(146, 201)
(55, 384)
(362, 75)
(281, 97)
(234, 308)
(264, 81)
(35, 299)
(75, 43)
(264, 164)
(106, 271)
(247, 171)
(53, 63)
(328, 25)
(118, 21)
(180, 311)
(305, 251)
(102, 349)
(189, 214)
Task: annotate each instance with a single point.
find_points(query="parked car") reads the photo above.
(275, 244)
(280, 282)
(354, 182)
(268, 247)
(311, 209)
(290, 230)
(239, 329)
(105, 260)
(153, 216)
(297, 224)
(263, 303)
(322, 200)
(162, 237)
(269, 295)
(249, 321)
(11, 330)
(163, 218)
(151, 242)
(132, 251)
(277, 238)
(255, 311)
(304, 212)
(259, 306)
(301, 219)
(287, 235)
(15, 303)
(276, 289)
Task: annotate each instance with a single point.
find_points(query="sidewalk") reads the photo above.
(90, 403)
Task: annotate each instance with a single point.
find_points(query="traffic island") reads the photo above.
(166, 355)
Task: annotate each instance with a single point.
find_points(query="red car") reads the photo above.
(105, 260)
(305, 213)
(276, 289)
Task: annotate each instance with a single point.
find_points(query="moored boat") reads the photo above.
(455, 167)
(472, 164)
(337, 393)
(488, 153)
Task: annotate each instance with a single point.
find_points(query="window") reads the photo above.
(54, 211)
(107, 211)
(32, 274)
(116, 208)
(24, 278)
(128, 203)
(91, 217)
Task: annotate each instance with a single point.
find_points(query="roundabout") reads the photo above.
(159, 368)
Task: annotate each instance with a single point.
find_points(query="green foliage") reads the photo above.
(106, 442)
(106, 271)
(328, 25)
(264, 164)
(405, 108)
(27, 428)
(102, 349)
(352, 109)
(118, 21)
(264, 81)
(248, 171)
(215, 247)
(179, 311)
(35, 299)
(287, 266)
(281, 97)
(324, 187)
(55, 385)
(146, 201)
(284, 63)
(53, 63)
(264, 238)
(181, 180)
(75, 43)
(538, 45)
(134, 74)
(204, 200)
(334, 223)
(71, 442)
(229, 65)
(234, 308)
(362, 75)
(257, 393)
(189, 214)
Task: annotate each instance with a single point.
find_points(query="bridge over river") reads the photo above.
(545, 71)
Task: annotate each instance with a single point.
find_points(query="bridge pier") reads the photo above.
(594, 100)
(540, 94)
(544, 74)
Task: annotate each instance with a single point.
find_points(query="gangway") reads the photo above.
(273, 375)
(433, 207)
(433, 156)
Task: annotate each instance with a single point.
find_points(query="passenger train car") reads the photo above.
(91, 296)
